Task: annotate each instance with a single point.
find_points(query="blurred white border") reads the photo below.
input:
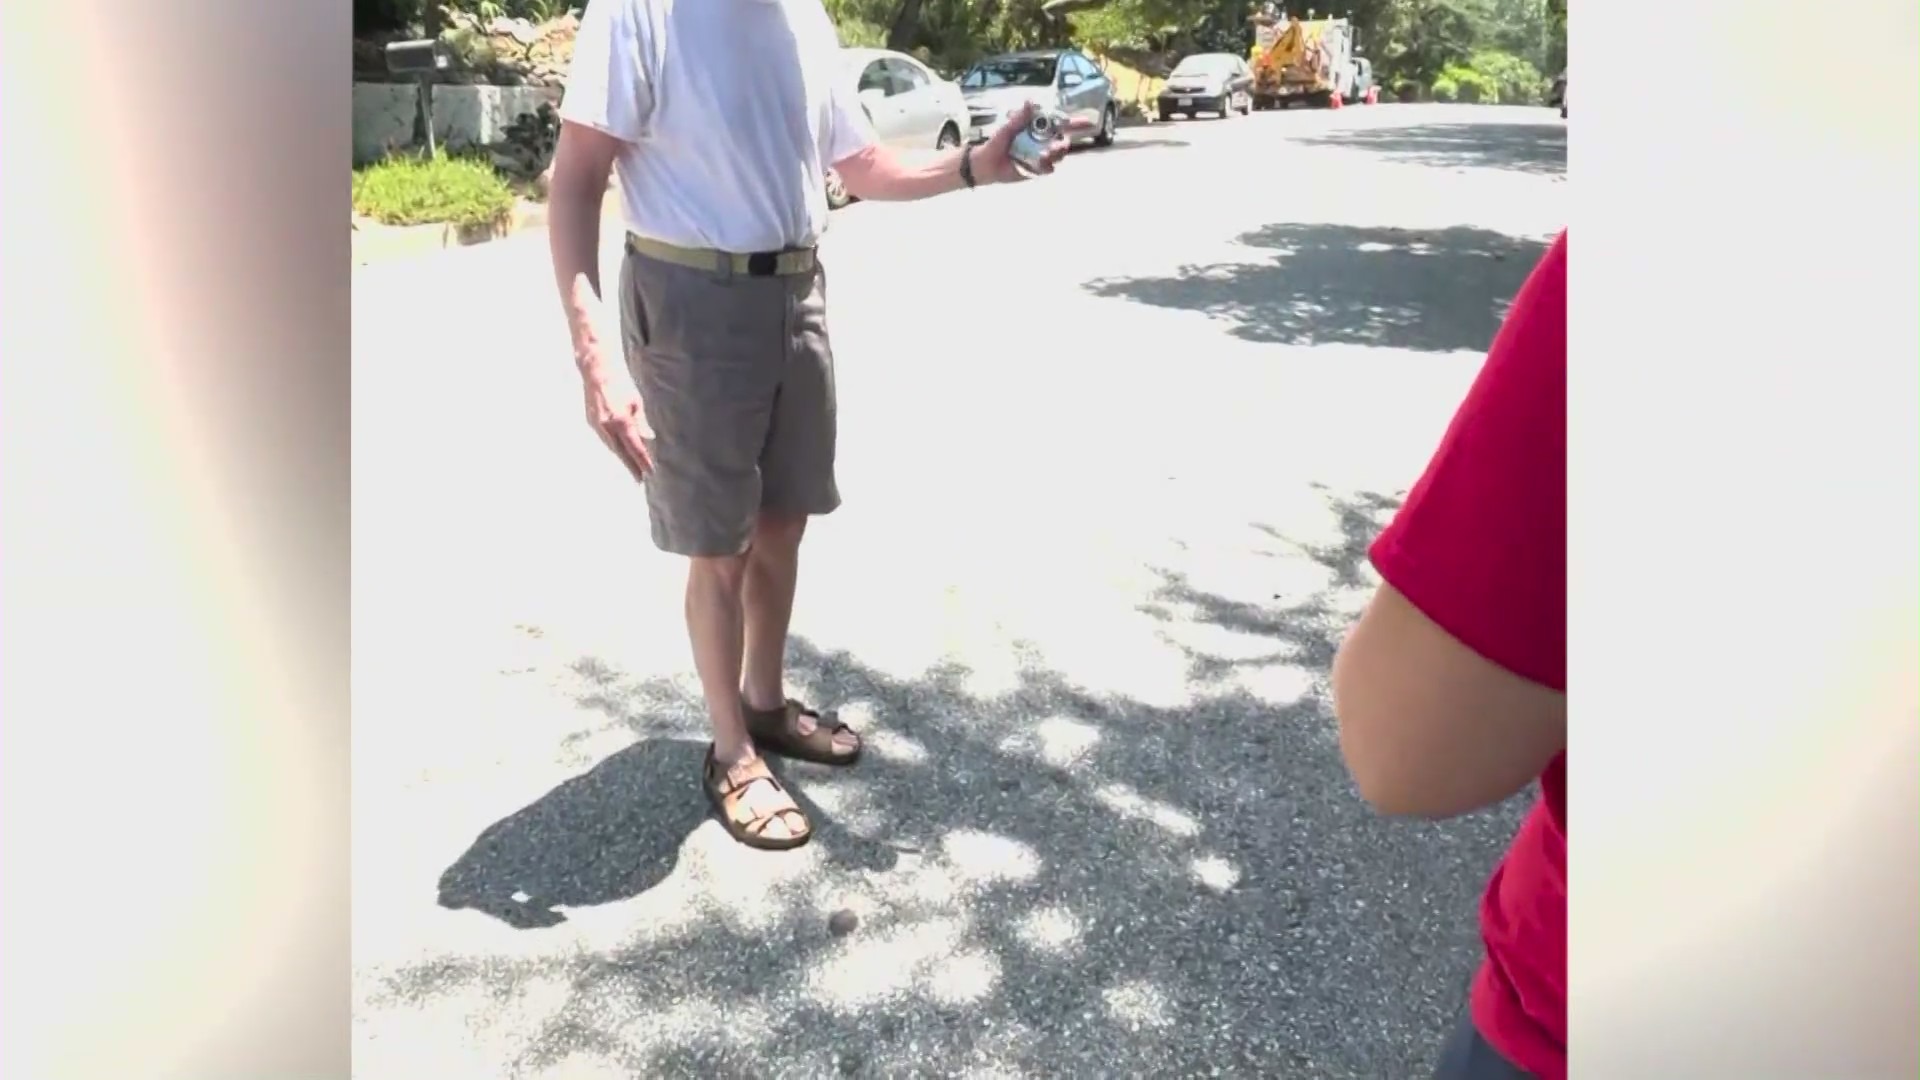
(1745, 373)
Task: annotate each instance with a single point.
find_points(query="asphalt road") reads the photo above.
(1112, 445)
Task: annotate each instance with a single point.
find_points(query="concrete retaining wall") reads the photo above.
(383, 114)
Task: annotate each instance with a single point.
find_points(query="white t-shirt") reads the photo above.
(730, 112)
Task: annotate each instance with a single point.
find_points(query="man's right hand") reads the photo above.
(615, 413)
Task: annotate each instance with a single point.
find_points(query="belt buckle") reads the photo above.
(763, 264)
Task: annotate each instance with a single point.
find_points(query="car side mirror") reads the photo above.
(1071, 79)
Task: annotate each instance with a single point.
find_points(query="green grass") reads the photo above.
(417, 190)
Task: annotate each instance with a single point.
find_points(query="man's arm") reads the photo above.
(582, 161)
(1430, 728)
(1450, 691)
(607, 104)
(869, 170)
(877, 174)
(609, 98)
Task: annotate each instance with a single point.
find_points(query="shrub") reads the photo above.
(537, 11)
(412, 189)
(1405, 90)
(1515, 81)
(1491, 78)
(1460, 83)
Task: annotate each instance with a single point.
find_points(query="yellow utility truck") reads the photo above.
(1307, 60)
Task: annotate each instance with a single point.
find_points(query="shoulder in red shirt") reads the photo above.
(1480, 547)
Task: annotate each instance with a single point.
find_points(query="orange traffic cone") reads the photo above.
(1334, 101)
(1373, 95)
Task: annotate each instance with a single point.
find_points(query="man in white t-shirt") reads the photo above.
(723, 117)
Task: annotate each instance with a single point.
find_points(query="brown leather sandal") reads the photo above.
(728, 791)
(774, 730)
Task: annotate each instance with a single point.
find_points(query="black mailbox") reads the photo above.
(418, 58)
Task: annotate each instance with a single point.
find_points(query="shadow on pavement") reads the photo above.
(1139, 143)
(1529, 146)
(609, 834)
(1361, 516)
(1438, 290)
(616, 831)
(1051, 880)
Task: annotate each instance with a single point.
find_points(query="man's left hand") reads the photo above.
(993, 165)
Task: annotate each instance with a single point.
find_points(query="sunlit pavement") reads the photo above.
(1112, 444)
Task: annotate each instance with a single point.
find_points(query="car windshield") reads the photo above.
(1010, 71)
(1194, 66)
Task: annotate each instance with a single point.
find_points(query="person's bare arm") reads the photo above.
(1450, 691)
(582, 161)
(1429, 727)
(879, 174)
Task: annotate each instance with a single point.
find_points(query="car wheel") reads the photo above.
(1107, 123)
(949, 138)
(837, 196)
(1166, 115)
(1225, 108)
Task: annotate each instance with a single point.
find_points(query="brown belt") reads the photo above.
(759, 264)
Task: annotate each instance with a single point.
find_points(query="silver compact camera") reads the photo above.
(1029, 147)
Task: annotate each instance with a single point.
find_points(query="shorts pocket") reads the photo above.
(635, 325)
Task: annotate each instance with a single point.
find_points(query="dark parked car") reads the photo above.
(1219, 83)
(1064, 79)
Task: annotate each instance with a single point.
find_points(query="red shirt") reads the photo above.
(1480, 547)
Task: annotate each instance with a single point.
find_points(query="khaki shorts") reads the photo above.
(737, 380)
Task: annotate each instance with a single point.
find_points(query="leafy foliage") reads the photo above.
(413, 189)
(384, 16)
(1503, 47)
(1514, 80)
(1459, 50)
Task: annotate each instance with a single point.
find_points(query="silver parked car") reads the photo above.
(1064, 79)
(911, 107)
(1219, 83)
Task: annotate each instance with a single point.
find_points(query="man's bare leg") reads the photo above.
(773, 570)
(715, 627)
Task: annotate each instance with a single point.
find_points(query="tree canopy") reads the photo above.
(1479, 50)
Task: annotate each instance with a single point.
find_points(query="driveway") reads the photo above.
(1112, 446)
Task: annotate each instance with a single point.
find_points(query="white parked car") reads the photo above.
(911, 107)
(1063, 79)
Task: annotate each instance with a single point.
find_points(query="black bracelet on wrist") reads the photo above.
(966, 166)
